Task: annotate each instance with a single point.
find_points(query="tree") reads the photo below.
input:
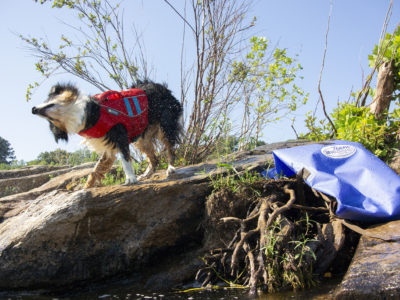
(269, 88)
(82, 156)
(6, 152)
(218, 29)
(386, 59)
(62, 157)
(224, 85)
(374, 125)
(56, 157)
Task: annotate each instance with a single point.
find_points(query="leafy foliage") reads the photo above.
(317, 133)
(389, 51)
(6, 152)
(358, 124)
(61, 157)
(355, 122)
(270, 91)
(114, 179)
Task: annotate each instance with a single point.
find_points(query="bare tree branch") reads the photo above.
(322, 68)
(366, 87)
(182, 17)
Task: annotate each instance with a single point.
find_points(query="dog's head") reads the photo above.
(61, 110)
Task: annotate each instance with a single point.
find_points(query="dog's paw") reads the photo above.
(170, 170)
(130, 181)
(142, 177)
(147, 174)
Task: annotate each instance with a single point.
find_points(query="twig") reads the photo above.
(366, 86)
(322, 68)
(177, 12)
(386, 22)
(294, 129)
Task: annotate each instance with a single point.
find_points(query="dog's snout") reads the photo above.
(42, 109)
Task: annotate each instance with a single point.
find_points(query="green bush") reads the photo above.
(357, 124)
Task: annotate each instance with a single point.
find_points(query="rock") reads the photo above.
(13, 204)
(62, 237)
(53, 236)
(394, 163)
(18, 181)
(28, 171)
(375, 270)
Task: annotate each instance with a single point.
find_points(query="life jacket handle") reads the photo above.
(105, 96)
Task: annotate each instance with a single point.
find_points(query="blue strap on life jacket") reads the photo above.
(128, 107)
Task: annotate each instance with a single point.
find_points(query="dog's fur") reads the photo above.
(69, 112)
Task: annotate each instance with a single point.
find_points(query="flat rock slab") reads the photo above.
(29, 171)
(12, 205)
(375, 269)
(19, 181)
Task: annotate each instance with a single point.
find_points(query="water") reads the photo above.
(324, 291)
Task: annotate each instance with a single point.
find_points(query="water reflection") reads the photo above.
(124, 292)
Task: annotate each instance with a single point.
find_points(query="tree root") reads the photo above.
(277, 244)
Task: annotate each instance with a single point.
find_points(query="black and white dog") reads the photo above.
(109, 122)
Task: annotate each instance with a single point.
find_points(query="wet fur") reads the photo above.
(69, 112)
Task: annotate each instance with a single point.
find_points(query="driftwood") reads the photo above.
(384, 89)
(287, 237)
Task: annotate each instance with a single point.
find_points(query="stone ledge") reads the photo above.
(375, 269)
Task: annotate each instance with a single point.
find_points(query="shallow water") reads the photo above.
(324, 291)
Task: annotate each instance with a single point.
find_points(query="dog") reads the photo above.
(110, 121)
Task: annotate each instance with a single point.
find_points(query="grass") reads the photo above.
(286, 265)
(232, 179)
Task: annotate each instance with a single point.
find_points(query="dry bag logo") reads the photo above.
(338, 151)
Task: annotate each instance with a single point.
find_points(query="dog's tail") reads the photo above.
(172, 124)
(171, 121)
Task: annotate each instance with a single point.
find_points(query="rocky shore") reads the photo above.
(55, 235)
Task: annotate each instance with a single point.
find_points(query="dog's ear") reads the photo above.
(58, 133)
(66, 92)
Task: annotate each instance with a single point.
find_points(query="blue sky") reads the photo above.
(299, 26)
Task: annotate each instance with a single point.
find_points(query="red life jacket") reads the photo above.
(128, 108)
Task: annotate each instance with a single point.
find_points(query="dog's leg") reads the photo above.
(118, 137)
(151, 167)
(170, 130)
(102, 167)
(170, 156)
(145, 145)
(170, 152)
(130, 177)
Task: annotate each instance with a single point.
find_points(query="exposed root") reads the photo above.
(278, 243)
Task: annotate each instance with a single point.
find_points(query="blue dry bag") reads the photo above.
(365, 188)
